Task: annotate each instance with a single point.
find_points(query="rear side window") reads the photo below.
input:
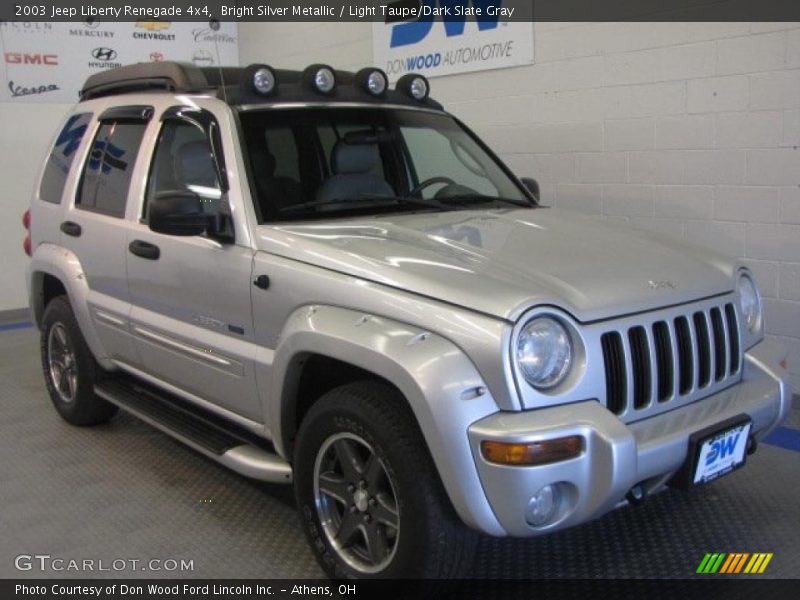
(61, 156)
(109, 166)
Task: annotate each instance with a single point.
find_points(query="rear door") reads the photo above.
(57, 181)
(93, 225)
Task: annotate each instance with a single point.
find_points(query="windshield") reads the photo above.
(334, 162)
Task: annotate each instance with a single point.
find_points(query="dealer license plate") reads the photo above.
(721, 452)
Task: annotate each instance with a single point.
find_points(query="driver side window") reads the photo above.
(183, 162)
(434, 157)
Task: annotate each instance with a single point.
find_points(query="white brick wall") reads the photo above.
(691, 129)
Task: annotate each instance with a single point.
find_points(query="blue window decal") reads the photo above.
(71, 136)
(59, 162)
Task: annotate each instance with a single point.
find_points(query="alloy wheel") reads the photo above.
(61, 362)
(356, 502)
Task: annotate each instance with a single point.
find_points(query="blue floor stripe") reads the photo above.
(783, 437)
(15, 326)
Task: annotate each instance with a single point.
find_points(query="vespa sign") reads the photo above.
(453, 36)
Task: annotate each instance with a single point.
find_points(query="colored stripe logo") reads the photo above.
(734, 563)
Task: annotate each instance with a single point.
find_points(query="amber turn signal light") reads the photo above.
(534, 453)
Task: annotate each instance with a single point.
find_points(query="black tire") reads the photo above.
(430, 542)
(75, 401)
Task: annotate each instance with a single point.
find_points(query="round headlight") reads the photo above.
(750, 303)
(264, 81)
(544, 352)
(415, 86)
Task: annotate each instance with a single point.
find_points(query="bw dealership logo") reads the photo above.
(454, 15)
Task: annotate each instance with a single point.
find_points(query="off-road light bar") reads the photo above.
(320, 78)
(373, 81)
(262, 79)
(415, 86)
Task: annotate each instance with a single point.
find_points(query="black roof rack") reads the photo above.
(228, 84)
(168, 75)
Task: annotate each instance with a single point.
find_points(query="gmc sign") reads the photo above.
(17, 58)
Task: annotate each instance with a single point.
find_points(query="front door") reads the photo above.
(190, 296)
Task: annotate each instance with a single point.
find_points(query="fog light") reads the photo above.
(419, 88)
(533, 453)
(260, 79)
(264, 81)
(373, 81)
(321, 78)
(542, 506)
(325, 80)
(415, 86)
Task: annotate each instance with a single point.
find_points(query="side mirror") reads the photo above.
(177, 213)
(532, 185)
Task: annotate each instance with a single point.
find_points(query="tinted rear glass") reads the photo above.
(61, 156)
(107, 173)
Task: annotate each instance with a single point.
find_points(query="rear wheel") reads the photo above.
(69, 368)
(372, 504)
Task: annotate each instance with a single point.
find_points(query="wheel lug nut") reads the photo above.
(372, 502)
(353, 509)
(351, 488)
(367, 518)
(362, 484)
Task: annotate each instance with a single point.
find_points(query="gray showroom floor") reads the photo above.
(126, 491)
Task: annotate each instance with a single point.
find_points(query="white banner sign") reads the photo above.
(436, 45)
(49, 62)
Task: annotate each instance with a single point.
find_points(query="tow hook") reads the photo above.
(636, 495)
(752, 445)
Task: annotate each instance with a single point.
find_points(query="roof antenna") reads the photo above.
(215, 25)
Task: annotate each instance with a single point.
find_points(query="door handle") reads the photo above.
(144, 249)
(71, 228)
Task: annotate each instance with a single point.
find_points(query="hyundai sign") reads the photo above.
(453, 36)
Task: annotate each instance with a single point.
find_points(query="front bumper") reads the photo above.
(618, 456)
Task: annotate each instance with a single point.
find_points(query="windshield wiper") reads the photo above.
(357, 200)
(466, 199)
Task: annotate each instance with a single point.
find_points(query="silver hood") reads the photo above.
(501, 262)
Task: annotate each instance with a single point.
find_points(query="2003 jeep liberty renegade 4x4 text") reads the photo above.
(310, 277)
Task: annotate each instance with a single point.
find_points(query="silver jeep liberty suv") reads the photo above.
(310, 277)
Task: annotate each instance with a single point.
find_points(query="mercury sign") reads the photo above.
(452, 36)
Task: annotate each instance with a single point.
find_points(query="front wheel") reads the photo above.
(69, 367)
(371, 502)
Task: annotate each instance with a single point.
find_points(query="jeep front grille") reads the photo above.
(670, 358)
